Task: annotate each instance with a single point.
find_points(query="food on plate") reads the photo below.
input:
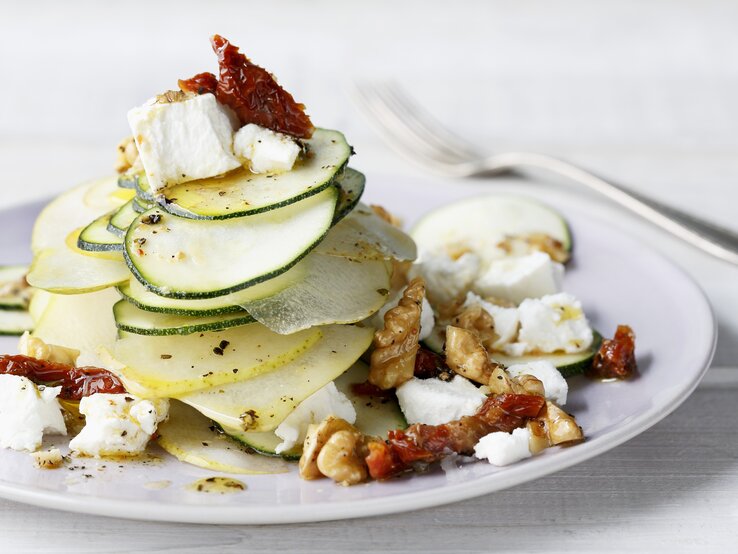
(228, 296)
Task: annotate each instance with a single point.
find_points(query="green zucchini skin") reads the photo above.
(203, 199)
(351, 187)
(127, 314)
(15, 322)
(164, 290)
(175, 311)
(96, 237)
(12, 274)
(568, 364)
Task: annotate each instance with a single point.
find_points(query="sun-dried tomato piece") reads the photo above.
(429, 443)
(201, 83)
(616, 357)
(251, 92)
(76, 382)
(367, 389)
(428, 364)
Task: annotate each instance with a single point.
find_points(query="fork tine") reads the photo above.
(400, 118)
(396, 133)
(424, 122)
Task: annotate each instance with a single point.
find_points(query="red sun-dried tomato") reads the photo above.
(76, 382)
(251, 92)
(616, 357)
(429, 443)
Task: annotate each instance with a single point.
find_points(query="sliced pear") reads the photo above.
(191, 438)
(65, 269)
(262, 403)
(334, 290)
(105, 194)
(363, 235)
(165, 366)
(64, 214)
(81, 321)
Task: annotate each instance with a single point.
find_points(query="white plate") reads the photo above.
(617, 278)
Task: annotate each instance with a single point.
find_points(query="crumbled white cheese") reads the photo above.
(554, 385)
(117, 424)
(427, 318)
(434, 402)
(516, 279)
(183, 140)
(506, 320)
(503, 449)
(446, 279)
(328, 401)
(554, 323)
(27, 412)
(265, 151)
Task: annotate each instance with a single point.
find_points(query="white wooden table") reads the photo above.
(644, 92)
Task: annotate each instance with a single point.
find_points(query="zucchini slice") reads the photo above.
(97, 238)
(363, 235)
(187, 258)
(13, 294)
(374, 416)
(131, 319)
(167, 366)
(241, 192)
(138, 295)
(68, 270)
(122, 219)
(333, 290)
(351, 186)
(483, 221)
(140, 206)
(567, 364)
(262, 403)
(191, 438)
(15, 322)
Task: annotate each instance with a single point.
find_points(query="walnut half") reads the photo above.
(334, 449)
(396, 346)
(127, 155)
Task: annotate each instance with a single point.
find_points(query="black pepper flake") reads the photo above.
(205, 444)
(166, 356)
(151, 219)
(224, 344)
(218, 350)
(235, 370)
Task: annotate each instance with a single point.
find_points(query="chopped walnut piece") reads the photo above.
(538, 436)
(540, 242)
(527, 384)
(127, 155)
(342, 458)
(475, 319)
(36, 348)
(396, 346)
(335, 449)
(561, 427)
(48, 459)
(466, 355)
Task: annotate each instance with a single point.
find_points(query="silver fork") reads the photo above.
(416, 134)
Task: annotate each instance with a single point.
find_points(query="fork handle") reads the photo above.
(713, 239)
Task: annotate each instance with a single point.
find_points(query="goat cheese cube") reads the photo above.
(434, 402)
(27, 412)
(117, 424)
(446, 279)
(184, 140)
(427, 318)
(554, 323)
(328, 401)
(554, 384)
(265, 151)
(516, 279)
(503, 449)
(506, 320)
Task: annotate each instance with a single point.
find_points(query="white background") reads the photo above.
(643, 91)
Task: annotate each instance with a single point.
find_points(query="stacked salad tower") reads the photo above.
(228, 294)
